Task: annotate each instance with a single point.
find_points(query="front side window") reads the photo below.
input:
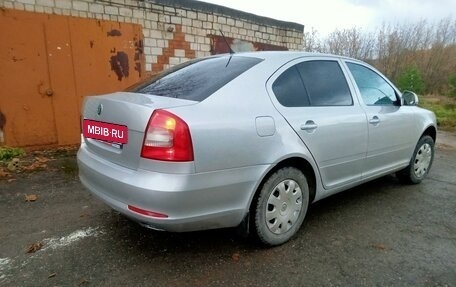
(373, 88)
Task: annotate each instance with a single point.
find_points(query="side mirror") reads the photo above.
(410, 98)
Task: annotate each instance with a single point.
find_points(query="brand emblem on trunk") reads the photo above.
(99, 109)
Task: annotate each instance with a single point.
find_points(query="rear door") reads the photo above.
(314, 97)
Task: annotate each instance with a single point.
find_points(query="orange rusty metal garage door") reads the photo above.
(48, 63)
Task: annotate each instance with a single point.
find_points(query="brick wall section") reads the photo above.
(174, 30)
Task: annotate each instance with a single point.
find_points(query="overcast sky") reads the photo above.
(327, 15)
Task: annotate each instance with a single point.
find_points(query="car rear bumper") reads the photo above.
(194, 201)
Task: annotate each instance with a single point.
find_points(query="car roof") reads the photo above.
(287, 55)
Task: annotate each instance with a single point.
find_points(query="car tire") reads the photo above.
(280, 206)
(421, 162)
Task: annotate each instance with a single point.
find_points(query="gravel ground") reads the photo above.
(379, 234)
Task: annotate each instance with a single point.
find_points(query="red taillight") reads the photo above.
(167, 137)
(146, 212)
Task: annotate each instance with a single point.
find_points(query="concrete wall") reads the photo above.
(175, 30)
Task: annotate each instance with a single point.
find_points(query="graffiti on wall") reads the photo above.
(177, 42)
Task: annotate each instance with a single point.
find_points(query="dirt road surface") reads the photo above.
(379, 234)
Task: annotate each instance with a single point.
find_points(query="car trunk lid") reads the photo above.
(126, 114)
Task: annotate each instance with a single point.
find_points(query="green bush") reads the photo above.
(452, 85)
(411, 80)
(444, 108)
(7, 153)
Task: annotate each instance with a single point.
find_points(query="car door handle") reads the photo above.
(309, 126)
(374, 120)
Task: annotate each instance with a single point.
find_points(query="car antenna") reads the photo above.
(229, 47)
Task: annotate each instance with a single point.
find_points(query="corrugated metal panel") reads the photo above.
(51, 62)
(24, 82)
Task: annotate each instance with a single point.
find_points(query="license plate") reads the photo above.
(107, 132)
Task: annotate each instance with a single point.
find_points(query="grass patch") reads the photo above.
(444, 109)
(8, 153)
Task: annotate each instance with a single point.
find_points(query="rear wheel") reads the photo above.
(281, 206)
(421, 162)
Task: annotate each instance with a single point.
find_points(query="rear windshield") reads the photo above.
(196, 79)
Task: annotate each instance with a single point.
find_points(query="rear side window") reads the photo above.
(198, 79)
(289, 89)
(313, 83)
(325, 83)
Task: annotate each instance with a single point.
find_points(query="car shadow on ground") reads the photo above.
(151, 243)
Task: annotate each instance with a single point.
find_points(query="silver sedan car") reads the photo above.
(249, 140)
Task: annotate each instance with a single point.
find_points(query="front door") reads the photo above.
(390, 124)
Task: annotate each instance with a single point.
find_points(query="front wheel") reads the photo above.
(421, 162)
(281, 206)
